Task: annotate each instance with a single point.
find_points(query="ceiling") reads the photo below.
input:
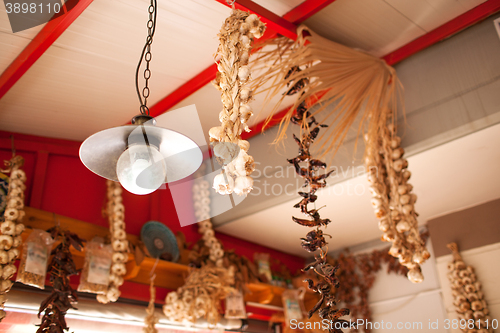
(84, 83)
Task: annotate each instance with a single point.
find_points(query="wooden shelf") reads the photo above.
(169, 275)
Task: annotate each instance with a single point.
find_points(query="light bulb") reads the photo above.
(141, 169)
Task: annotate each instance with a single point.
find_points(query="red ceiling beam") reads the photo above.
(42, 41)
(274, 22)
(446, 30)
(305, 10)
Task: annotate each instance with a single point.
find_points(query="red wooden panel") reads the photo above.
(42, 158)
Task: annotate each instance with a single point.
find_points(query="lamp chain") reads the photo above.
(146, 56)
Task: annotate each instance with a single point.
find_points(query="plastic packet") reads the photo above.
(292, 304)
(96, 268)
(33, 264)
(235, 306)
(263, 266)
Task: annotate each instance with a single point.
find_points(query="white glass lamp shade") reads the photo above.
(141, 169)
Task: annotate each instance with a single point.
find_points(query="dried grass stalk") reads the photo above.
(350, 82)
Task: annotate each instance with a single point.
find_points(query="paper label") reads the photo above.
(36, 260)
(293, 310)
(265, 269)
(235, 306)
(99, 270)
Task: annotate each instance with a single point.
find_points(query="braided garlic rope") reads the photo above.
(205, 287)
(116, 218)
(469, 299)
(394, 203)
(12, 228)
(236, 36)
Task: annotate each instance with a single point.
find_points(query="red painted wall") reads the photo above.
(63, 185)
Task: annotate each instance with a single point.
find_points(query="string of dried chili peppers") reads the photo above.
(310, 169)
(63, 296)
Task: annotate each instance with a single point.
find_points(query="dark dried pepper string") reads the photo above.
(63, 297)
(310, 169)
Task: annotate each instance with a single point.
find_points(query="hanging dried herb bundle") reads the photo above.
(469, 300)
(11, 227)
(236, 36)
(310, 169)
(394, 202)
(63, 297)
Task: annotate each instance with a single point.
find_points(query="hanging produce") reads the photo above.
(63, 296)
(201, 198)
(236, 36)
(206, 286)
(394, 202)
(346, 84)
(468, 298)
(119, 243)
(311, 170)
(11, 227)
(151, 318)
(357, 273)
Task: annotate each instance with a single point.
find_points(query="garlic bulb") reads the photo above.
(116, 216)
(469, 299)
(12, 227)
(207, 286)
(393, 201)
(236, 36)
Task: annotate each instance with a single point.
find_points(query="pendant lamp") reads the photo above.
(141, 156)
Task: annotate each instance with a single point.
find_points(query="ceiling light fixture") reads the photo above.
(141, 156)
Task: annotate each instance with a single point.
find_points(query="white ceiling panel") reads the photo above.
(12, 44)
(430, 14)
(373, 26)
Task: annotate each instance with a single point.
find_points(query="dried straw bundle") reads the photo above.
(350, 81)
(236, 36)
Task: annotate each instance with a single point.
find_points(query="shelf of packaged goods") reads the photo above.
(169, 275)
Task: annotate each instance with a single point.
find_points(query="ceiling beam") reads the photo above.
(274, 22)
(444, 31)
(305, 10)
(42, 41)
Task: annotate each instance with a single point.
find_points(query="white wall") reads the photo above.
(486, 262)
